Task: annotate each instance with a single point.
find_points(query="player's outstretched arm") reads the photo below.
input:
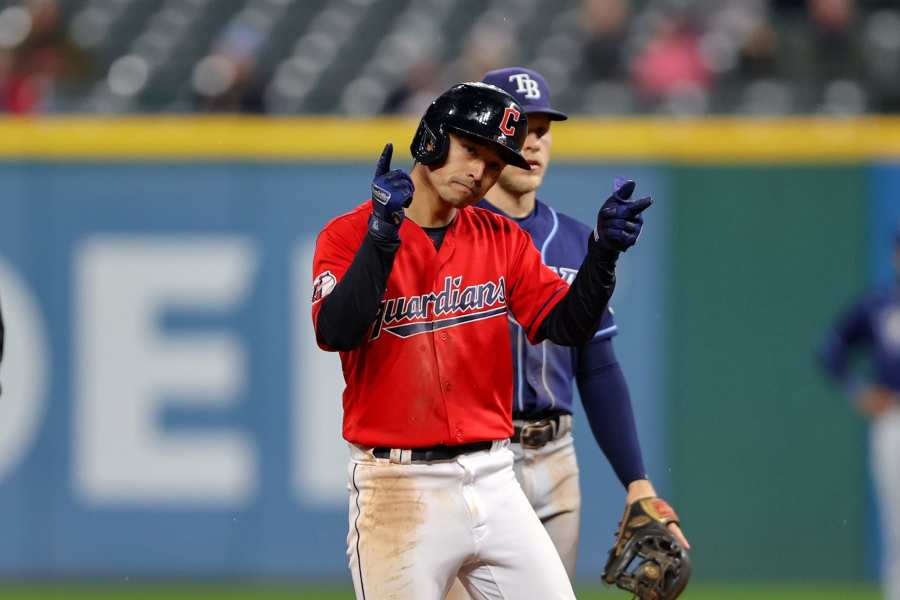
(350, 307)
(607, 404)
(575, 318)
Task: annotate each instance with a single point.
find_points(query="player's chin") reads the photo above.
(465, 202)
(533, 178)
(523, 182)
(460, 196)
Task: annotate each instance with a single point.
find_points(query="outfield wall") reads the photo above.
(165, 411)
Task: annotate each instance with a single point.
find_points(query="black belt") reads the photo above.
(536, 434)
(437, 452)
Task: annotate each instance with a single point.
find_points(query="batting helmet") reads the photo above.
(477, 110)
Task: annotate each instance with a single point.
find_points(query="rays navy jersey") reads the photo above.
(872, 324)
(543, 373)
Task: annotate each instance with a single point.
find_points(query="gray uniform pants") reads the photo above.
(884, 437)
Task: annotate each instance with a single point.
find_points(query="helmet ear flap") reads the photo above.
(428, 146)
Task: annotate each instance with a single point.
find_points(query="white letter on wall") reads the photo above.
(24, 372)
(126, 367)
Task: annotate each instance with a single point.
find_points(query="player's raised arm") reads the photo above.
(347, 291)
(575, 318)
(607, 404)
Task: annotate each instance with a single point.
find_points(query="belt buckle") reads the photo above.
(537, 434)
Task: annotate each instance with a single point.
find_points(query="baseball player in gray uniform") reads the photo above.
(870, 327)
(545, 461)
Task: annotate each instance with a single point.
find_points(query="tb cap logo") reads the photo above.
(526, 86)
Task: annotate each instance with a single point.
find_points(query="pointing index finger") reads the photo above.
(638, 206)
(384, 162)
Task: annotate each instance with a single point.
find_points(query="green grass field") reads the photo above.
(143, 591)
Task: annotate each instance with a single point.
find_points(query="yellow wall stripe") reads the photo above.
(306, 138)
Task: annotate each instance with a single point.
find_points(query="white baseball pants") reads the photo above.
(549, 478)
(414, 528)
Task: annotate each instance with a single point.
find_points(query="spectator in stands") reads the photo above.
(422, 84)
(605, 26)
(758, 50)
(228, 79)
(836, 40)
(46, 59)
(486, 48)
(670, 65)
(822, 47)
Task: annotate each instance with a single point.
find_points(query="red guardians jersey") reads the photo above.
(435, 367)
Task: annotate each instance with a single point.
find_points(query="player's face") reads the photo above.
(470, 170)
(537, 152)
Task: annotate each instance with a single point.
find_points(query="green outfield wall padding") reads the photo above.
(768, 458)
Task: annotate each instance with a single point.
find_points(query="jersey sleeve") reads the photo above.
(852, 329)
(533, 289)
(607, 404)
(336, 248)
(608, 328)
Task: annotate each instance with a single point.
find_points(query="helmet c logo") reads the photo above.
(504, 124)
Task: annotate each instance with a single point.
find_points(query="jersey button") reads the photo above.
(447, 386)
(445, 336)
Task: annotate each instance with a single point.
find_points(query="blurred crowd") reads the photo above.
(38, 59)
(704, 56)
(683, 57)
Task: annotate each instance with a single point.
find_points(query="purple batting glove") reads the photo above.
(619, 221)
(392, 191)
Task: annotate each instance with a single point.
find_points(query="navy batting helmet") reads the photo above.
(478, 110)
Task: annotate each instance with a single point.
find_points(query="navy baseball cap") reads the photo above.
(529, 89)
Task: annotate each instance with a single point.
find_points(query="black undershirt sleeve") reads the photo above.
(349, 310)
(575, 318)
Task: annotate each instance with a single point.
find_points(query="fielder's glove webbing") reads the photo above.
(647, 560)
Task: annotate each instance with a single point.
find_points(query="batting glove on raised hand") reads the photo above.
(619, 221)
(392, 191)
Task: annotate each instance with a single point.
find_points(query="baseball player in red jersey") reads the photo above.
(413, 288)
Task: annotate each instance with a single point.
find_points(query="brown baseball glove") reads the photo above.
(646, 559)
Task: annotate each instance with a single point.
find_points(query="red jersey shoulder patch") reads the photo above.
(323, 285)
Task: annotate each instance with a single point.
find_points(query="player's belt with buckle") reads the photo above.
(537, 434)
(437, 452)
